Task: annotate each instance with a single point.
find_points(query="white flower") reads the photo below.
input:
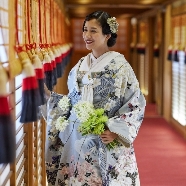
(64, 103)
(118, 82)
(60, 149)
(113, 103)
(97, 82)
(52, 113)
(117, 92)
(115, 182)
(121, 181)
(132, 131)
(83, 109)
(61, 124)
(53, 129)
(113, 24)
(66, 182)
(107, 75)
(120, 66)
(74, 181)
(51, 138)
(123, 86)
(118, 150)
(112, 66)
(123, 70)
(108, 106)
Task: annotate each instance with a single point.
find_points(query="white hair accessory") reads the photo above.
(113, 24)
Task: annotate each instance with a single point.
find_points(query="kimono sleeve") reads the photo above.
(51, 105)
(130, 116)
(53, 110)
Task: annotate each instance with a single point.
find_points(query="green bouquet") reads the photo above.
(93, 121)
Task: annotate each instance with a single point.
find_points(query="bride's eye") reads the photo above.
(93, 31)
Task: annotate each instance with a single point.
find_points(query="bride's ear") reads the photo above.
(108, 36)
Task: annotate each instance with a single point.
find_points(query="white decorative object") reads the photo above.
(113, 24)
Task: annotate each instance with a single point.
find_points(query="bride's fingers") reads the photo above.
(106, 141)
(104, 137)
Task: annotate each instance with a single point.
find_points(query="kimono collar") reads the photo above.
(95, 60)
(92, 64)
(72, 78)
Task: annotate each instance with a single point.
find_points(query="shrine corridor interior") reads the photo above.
(47, 35)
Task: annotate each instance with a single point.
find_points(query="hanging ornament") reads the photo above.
(39, 53)
(67, 52)
(30, 93)
(48, 70)
(156, 50)
(7, 127)
(170, 53)
(175, 55)
(37, 64)
(40, 78)
(58, 61)
(54, 73)
(64, 57)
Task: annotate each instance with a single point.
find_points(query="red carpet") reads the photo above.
(160, 152)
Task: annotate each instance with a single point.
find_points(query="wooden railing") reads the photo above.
(29, 166)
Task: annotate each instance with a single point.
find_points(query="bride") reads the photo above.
(106, 79)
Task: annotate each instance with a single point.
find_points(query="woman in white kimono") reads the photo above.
(106, 79)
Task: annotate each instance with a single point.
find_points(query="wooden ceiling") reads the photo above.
(116, 8)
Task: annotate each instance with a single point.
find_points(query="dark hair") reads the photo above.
(102, 17)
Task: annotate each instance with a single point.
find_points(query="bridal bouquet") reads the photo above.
(62, 121)
(92, 120)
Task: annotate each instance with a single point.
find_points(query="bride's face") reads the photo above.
(93, 36)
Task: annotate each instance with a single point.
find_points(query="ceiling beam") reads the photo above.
(154, 11)
(137, 6)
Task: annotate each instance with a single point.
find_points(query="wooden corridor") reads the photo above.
(160, 152)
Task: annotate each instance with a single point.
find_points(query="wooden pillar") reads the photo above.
(43, 136)
(167, 67)
(149, 59)
(29, 154)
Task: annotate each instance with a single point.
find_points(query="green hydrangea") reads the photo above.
(95, 124)
(93, 121)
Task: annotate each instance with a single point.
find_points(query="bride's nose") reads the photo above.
(87, 35)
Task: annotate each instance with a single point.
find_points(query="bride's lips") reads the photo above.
(89, 41)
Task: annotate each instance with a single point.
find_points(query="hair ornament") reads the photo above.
(113, 24)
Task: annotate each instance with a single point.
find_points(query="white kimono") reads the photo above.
(76, 160)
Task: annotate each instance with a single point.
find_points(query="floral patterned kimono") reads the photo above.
(76, 160)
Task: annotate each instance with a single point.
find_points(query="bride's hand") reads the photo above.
(107, 136)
